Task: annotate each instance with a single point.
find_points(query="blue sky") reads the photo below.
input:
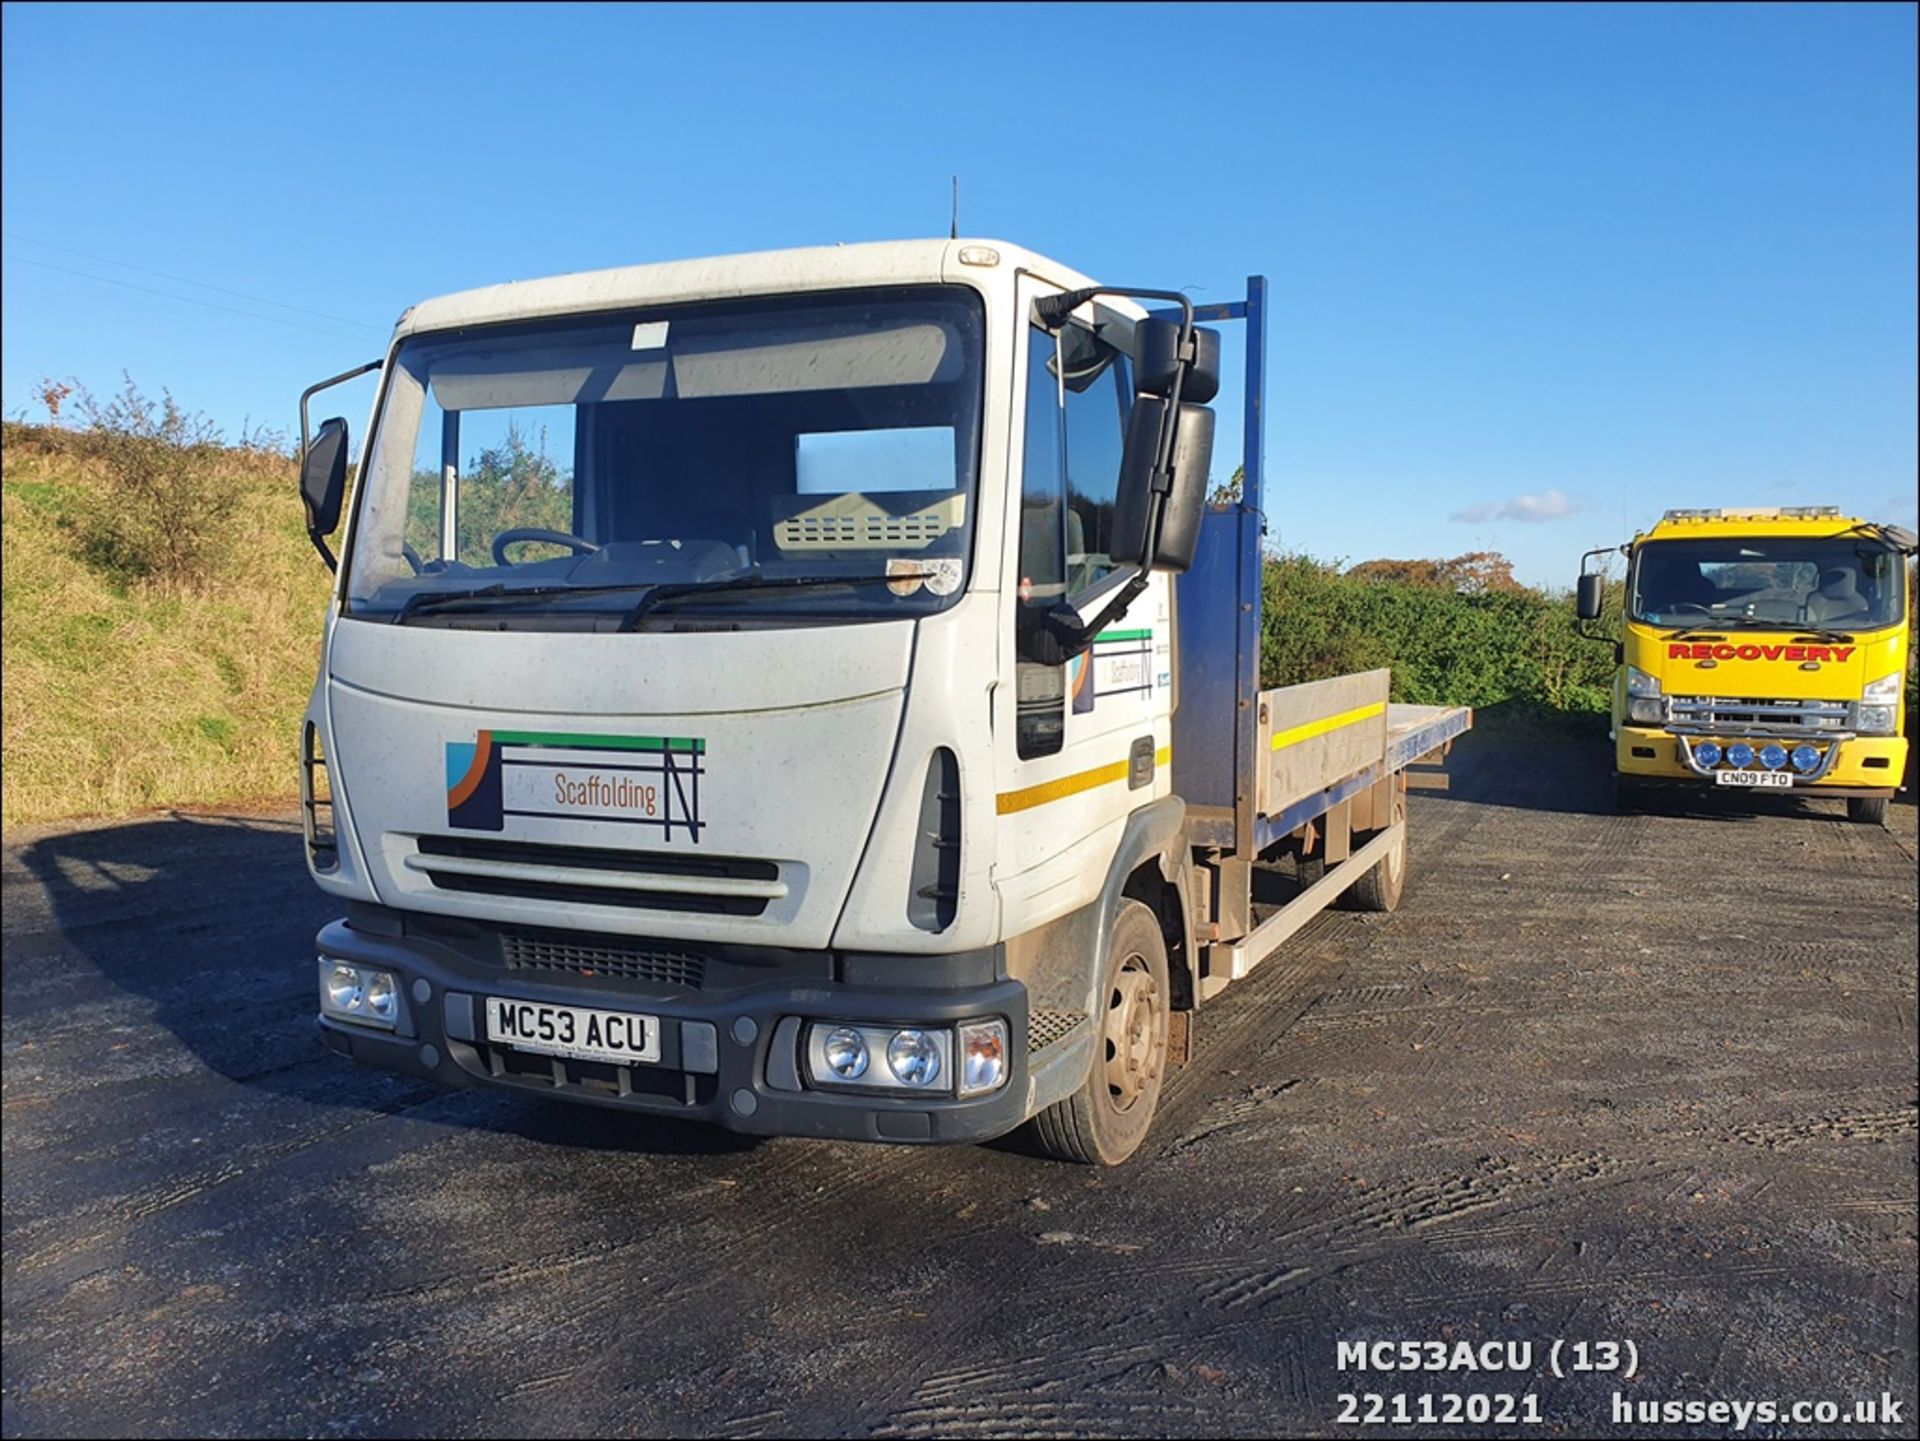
(1537, 274)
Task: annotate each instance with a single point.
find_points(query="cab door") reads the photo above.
(1090, 737)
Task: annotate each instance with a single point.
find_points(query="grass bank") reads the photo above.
(124, 694)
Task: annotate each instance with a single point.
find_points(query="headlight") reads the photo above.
(1773, 756)
(358, 993)
(342, 986)
(1644, 705)
(1707, 753)
(380, 1000)
(1805, 758)
(914, 1058)
(1739, 755)
(1874, 720)
(845, 1053)
(1879, 707)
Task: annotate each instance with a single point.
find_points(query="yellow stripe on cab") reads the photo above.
(1007, 802)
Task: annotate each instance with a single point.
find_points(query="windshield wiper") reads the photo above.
(661, 594)
(422, 600)
(1824, 632)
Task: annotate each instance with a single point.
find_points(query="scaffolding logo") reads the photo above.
(647, 781)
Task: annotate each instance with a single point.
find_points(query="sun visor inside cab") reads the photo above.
(773, 360)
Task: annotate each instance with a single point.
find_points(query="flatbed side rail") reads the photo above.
(1414, 731)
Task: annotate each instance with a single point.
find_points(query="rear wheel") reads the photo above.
(1867, 810)
(1379, 889)
(1105, 1121)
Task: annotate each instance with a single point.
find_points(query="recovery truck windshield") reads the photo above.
(784, 461)
(1776, 583)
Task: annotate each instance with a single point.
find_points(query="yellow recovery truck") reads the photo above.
(1764, 649)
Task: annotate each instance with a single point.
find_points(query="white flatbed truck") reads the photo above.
(808, 692)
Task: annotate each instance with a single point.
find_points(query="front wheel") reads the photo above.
(1105, 1121)
(1867, 810)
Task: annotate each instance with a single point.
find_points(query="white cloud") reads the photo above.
(1548, 505)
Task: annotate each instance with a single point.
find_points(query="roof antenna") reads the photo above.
(955, 233)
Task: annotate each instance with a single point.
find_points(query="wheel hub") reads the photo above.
(1133, 1057)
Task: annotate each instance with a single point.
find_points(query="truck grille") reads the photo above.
(600, 956)
(597, 875)
(1730, 715)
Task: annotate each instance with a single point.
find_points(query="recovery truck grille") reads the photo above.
(1730, 716)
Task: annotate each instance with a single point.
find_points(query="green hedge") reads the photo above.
(1444, 646)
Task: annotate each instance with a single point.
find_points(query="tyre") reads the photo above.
(1629, 797)
(1867, 810)
(1105, 1121)
(1379, 889)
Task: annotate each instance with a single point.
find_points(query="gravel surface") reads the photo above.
(1643, 1078)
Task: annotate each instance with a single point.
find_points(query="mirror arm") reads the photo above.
(313, 390)
(333, 563)
(1580, 626)
(1062, 635)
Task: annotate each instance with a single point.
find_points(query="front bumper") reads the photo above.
(1862, 765)
(729, 1054)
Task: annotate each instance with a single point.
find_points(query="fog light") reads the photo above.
(1707, 753)
(358, 993)
(1740, 754)
(846, 1054)
(913, 1058)
(1805, 758)
(1773, 757)
(983, 1057)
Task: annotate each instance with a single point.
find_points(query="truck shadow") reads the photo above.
(210, 920)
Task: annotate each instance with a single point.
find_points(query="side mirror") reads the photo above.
(323, 477)
(1156, 361)
(1162, 537)
(1588, 598)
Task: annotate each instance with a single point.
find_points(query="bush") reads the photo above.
(1446, 645)
(164, 502)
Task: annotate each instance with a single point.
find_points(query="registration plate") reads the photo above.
(1754, 780)
(620, 1038)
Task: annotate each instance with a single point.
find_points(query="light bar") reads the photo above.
(1758, 512)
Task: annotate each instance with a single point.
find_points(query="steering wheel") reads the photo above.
(411, 557)
(506, 538)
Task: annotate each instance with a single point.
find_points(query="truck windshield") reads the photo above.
(1782, 582)
(799, 457)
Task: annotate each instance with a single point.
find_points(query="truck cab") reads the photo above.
(1763, 649)
(749, 695)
